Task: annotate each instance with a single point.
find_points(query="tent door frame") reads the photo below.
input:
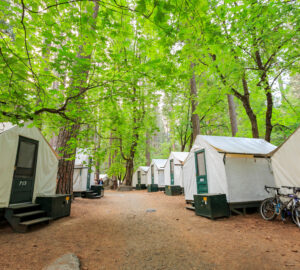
(201, 179)
(139, 177)
(23, 185)
(152, 173)
(172, 166)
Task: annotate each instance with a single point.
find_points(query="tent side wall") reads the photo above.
(134, 179)
(46, 167)
(246, 178)
(144, 177)
(178, 174)
(286, 162)
(161, 178)
(149, 176)
(167, 176)
(80, 179)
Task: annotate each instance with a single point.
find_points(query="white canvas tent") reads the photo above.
(83, 178)
(156, 171)
(286, 161)
(237, 167)
(176, 158)
(142, 172)
(28, 165)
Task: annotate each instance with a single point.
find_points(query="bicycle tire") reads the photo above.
(296, 215)
(268, 205)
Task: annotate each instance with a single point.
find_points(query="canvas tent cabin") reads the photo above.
(173, 173)
(286, 161)
(236, 167)
(83, 177)
(28, 170)
(139, 178)
(156, 175)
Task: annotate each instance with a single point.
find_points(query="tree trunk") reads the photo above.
(269, 126)
(97, 172)
(195, 117)
(129, 172)
(66, 166)
(246, 103)
(232, 115)
(115, 182)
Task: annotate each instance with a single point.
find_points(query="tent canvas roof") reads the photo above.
(144, 168)
(181, 156)
(160, 163)
(239, 145)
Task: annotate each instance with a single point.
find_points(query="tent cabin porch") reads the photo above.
(236, 167)
(28, 171)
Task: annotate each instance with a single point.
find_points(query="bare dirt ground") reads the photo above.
(117, 232)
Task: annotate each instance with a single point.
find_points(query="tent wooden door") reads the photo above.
(201, 175)
(172, 171)
(24, 174)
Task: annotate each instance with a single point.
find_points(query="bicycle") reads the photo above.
(272, 207)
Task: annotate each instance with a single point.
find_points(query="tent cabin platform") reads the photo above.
(140, 186)
(23, 216)
(239, 208)
(173, 190)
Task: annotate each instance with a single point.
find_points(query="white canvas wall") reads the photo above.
(178, 181)
(143, 177)
(158, 176)
(80, 177)
(216, 176)
(161, 178)
(246, 178)
(46, 167)
(286, 162)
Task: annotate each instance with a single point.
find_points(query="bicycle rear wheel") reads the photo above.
(296, 215)
(267, 209)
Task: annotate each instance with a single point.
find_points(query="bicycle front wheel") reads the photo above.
(267, 209)
(296, 215)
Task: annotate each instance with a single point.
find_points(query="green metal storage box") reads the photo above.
(140, 186)
(173, 190)
(211, 205)
(98, 189)
(56, 206)
(153, 188)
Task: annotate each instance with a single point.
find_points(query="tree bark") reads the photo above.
(246, 103)
(268, 93)
(232, 115)
(194, 103)
(66, 166)
(129, 172)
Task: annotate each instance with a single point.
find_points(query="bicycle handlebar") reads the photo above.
(268, 187)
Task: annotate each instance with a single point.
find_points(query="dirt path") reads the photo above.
(117, 232)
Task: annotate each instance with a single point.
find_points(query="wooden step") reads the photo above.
(35, 221)
(22, 206)
(26, 214)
